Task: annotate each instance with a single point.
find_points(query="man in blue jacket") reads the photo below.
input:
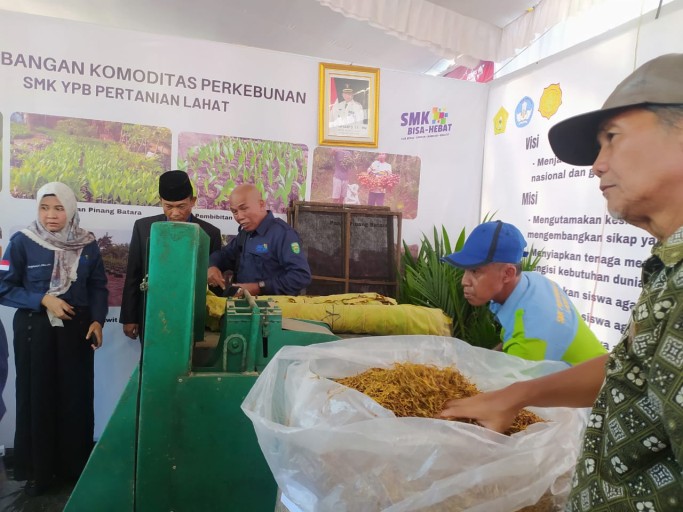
(266, 256)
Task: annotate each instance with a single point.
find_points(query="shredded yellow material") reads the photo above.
(418, 390)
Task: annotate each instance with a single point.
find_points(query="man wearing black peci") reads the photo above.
(177, 200)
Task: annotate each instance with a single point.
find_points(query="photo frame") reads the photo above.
(348, 111)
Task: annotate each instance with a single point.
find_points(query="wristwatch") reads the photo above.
(261, 285)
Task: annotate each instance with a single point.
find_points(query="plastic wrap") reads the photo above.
(332, 448)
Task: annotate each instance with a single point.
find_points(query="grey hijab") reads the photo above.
(67, 243)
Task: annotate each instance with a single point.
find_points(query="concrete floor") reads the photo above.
(13, 498)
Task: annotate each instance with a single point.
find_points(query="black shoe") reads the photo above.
(34, 488)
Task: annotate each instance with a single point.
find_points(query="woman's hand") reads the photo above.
(58, 307)
(96, 329)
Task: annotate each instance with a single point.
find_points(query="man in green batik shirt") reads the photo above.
(632, 454)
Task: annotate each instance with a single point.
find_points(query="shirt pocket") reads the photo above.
(40, 273)
(258, 255)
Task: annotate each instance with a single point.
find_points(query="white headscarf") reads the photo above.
(67, 243)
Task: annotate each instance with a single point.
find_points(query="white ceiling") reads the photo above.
(497, 12)
(295, 26)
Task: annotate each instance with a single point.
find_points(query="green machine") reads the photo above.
(178, 440)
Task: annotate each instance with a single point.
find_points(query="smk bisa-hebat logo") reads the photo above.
(426, 123)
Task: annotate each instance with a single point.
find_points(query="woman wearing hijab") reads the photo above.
(53, 274)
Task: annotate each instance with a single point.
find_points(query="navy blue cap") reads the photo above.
(490, 242)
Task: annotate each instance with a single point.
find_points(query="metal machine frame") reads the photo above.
(178, 440)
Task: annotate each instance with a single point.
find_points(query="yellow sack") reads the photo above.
(367, 313)
(341, 298)
(373, 318)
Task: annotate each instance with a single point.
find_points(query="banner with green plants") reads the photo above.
(105, 112)
(218, 164)
(114, 244)
(102, 162)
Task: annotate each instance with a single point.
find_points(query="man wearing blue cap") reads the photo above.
(538, 320)
(632, 453)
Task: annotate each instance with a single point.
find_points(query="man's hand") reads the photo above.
(215, 278)
(131, 330)
(252, 288)
(494, 410)
(577, 386)
(58, 307)
(96, 329)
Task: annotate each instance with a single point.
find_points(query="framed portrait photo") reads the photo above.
(348, 113)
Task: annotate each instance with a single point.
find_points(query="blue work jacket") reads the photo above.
(272, 253)
(28, 269)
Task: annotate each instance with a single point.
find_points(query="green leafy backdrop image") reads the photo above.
(217, 164)
(101, 161)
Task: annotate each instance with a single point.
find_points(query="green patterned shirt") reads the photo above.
(632, 455)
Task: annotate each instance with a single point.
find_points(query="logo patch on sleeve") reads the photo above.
(4, 264)
(295, 248)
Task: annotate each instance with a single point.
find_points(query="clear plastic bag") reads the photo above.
(332, 448)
